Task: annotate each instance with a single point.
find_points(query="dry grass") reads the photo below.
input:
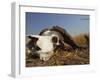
(80, 39)
(60, 57)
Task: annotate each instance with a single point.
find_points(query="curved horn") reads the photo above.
(43, 31)
(67, 38)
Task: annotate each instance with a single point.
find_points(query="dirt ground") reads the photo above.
(61, 58)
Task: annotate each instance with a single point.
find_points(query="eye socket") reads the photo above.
(54, 39)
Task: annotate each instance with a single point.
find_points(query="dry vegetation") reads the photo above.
(60, 57)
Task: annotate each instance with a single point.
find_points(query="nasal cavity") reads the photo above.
(37, 48)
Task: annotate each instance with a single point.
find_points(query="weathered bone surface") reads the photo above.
(64, 36)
